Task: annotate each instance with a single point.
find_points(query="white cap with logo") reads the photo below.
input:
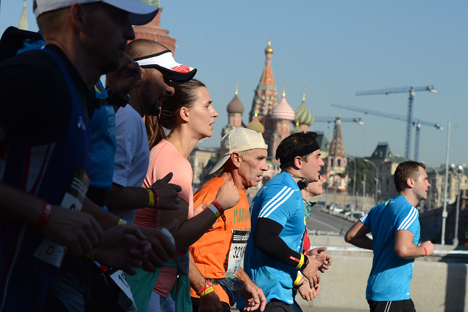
(238, 140)
(140, 13)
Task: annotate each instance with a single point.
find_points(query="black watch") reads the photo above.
(304, 265)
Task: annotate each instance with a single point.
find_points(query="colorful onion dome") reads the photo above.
(303, 114)
(283, 110)
(235, 106)
(297, 129)
(256, 125)
(269, 49)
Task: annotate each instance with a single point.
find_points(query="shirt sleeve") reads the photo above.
(407, 219)
(366, 220)
(125, 136)
(278, 204)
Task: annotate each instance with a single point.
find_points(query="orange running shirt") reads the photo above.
(210, 252)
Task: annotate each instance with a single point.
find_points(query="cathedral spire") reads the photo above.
(23, 23)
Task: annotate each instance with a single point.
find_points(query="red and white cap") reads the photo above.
(140, 13)
(164, 61)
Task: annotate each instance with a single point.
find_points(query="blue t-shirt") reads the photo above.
(279, 200)
(390, 277)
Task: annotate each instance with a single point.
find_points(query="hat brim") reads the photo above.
(140, 13)
(220, 164)
(165, 62)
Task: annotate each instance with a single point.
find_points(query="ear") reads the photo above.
(236, 159)
(184, 113)
(410, 182)
(298, 162)
(78, 17)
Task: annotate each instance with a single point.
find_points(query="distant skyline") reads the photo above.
(334, 49)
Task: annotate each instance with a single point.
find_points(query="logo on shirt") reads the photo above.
(81, 124)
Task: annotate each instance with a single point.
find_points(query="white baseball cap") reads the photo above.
(238, 140)
(164, 61)
(140, 13)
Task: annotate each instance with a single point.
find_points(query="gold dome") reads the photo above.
(269, 49)
(256, 125)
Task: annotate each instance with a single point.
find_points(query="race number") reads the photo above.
(49, 251)
(125, 299)
(236, 253)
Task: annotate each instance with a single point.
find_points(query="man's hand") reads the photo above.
(210, 303)
(162, 249)
(168, 193)
(307, 293)
(429, 247)
(124, 79)
(122, 246)
(78, 231)
(254, 297)
(228, 195)
(319, 253)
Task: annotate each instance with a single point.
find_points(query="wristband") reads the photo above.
(206, 292)
(425, 250)
(306, 262)
(207, 285)
(44, 216)
(156, 197)
(301, 262)
(221, 211)
(90, 256)
(122, 222)
(298, 279)
(303, 282)
(151, 198)
(215, 210)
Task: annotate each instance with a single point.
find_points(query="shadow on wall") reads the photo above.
(456, 287)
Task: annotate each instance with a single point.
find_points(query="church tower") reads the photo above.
(235, 110)
(265, 99)
(23, 23)
(282, 116)
(304, 118)
(337, 161)
(153, 31)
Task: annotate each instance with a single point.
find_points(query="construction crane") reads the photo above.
(359, 121)
(409, 117)
(415, 122)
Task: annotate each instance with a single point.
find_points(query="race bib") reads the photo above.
(49, 251)
(125, 298)
(236, 253)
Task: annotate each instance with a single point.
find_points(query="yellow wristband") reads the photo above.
(90, 255)
(122, 222)
(301, 262)
(206, 292)
(151, 198)
(298, 279)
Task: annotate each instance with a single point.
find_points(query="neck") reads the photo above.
(235, 178)
(183, 140)
(410, 197)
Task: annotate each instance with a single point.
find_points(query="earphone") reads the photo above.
(302, 183)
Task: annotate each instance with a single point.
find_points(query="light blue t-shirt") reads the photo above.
(279, 200)
(390, 277)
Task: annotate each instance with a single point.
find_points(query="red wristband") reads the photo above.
(156, 197)
(221, 211)
(44, 216)
(425, 250)
(208, 285)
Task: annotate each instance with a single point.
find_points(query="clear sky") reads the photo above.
(333, 48)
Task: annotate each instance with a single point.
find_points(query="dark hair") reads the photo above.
(184, 96)
(292, 146)
(404, 171)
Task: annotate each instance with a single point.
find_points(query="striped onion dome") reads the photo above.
(297, 129)
(235, 106)
(303, 114)
(283, 110)
(256, 125)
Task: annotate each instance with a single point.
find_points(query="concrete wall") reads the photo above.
(436, 286)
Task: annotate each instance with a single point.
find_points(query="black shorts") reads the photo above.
(196, 305)
(392, 306)
(277, 306)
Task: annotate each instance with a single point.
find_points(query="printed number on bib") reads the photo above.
(236, 253)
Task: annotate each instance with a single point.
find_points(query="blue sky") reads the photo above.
(333, 48)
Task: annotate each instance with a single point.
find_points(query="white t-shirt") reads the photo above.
(132, 154)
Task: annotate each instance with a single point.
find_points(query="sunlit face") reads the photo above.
(315, 188)
(421, 184)
(253, 165)
(201, 116)
(311, 168)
